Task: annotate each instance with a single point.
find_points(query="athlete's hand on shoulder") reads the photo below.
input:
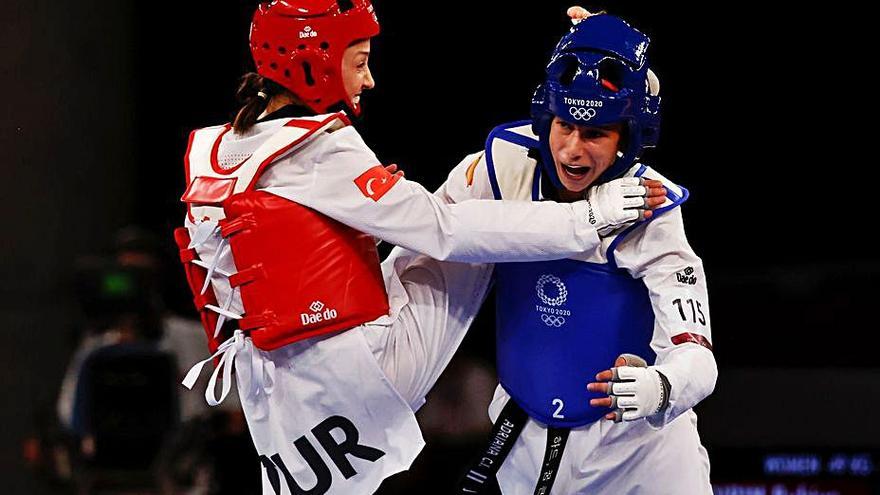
(622, 202)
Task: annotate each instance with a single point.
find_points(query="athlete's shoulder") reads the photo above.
(213, 127)
(341, 140)
(674, 192)
(334, 149)
(211, 131)
(467, 180)
(666, 218)
(510, 163)
(328, 122)
(518, 132)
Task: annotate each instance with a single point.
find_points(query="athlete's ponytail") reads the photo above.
(254, 93)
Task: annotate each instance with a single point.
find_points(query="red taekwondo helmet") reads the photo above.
(299, 45)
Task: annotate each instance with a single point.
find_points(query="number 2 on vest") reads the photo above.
(559, 405)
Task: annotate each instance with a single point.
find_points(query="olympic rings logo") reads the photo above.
(560, 288)
(553, 321)
(580, 113)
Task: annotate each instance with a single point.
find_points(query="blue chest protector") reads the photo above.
(561, 322)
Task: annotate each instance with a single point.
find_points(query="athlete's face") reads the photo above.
(582, 153)
(356, 72)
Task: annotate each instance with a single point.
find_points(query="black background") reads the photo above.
(766, 115)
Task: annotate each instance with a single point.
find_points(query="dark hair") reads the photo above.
(254, 92)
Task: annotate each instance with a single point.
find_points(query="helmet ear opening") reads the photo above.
(307, 70)
(345, 5)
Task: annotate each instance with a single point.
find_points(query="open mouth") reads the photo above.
(575, 171)
(356, 99)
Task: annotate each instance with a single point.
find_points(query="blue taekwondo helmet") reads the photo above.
(598, 75)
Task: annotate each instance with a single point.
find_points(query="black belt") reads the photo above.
(481, 477)
(556, 439)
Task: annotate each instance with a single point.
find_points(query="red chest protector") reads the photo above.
(299, 274)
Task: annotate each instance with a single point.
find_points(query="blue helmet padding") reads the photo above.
(607, 33)
(599, 47)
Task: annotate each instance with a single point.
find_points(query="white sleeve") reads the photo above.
(454, 276)
(660, 255)
(324, 176)
(432, 304)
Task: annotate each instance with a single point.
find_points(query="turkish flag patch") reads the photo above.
(375, 182)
